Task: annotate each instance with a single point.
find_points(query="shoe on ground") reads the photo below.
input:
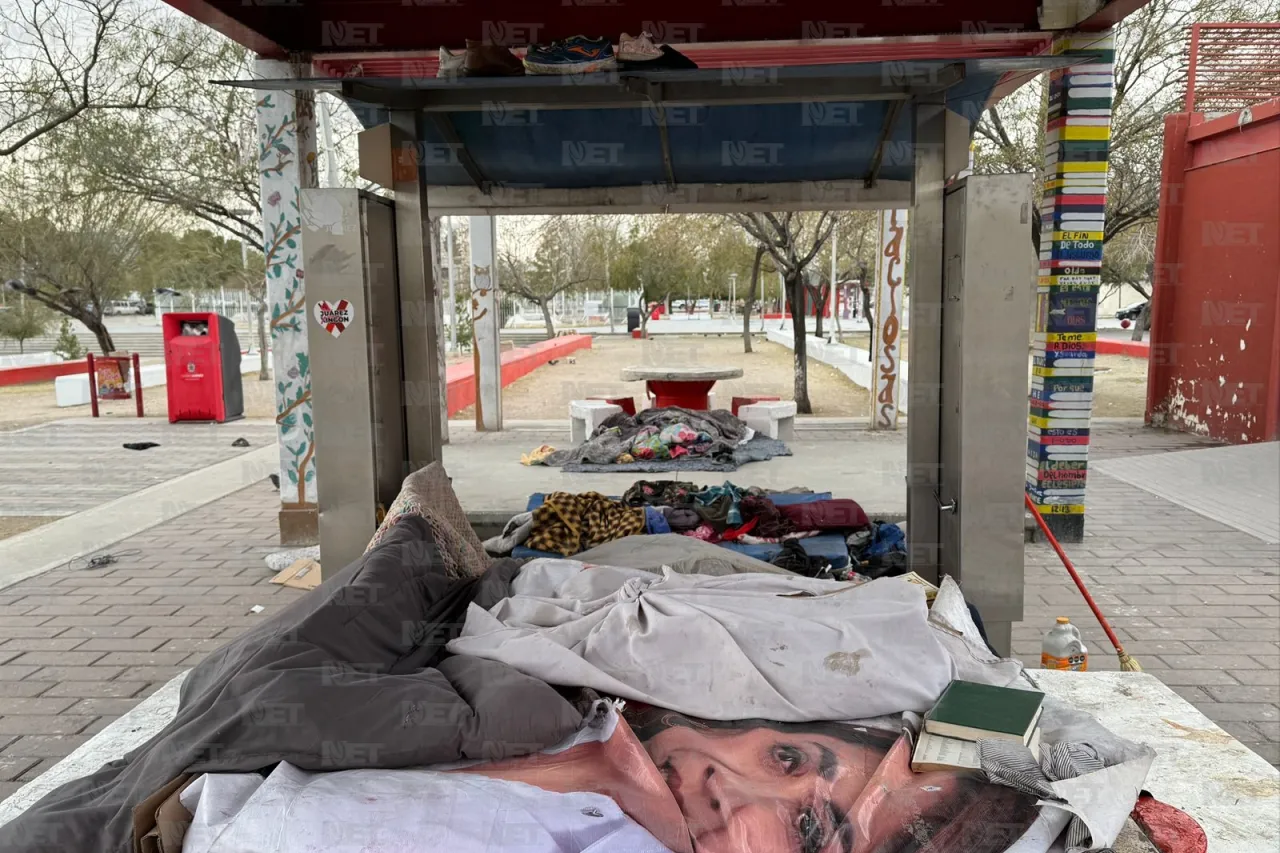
(451, 64)
(637, 48)
(668, 59)
(577, 55)
(490, 60)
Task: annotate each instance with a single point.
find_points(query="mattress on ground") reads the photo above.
(829, 546)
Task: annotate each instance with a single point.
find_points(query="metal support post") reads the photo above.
(925, 277)
(453, 299)
(93, 385)
(137, 382)
(420, 340)
(486, 345)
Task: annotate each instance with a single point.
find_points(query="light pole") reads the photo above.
(453, 302)
(733, 291)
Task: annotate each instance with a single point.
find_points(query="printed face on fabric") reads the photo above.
(759, 787)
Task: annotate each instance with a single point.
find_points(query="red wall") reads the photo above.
(522, 361)
(1215, 334)
(39, 372)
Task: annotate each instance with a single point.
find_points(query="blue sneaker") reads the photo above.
(577, 55)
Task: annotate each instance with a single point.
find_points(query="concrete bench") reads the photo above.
(774, 419)
(586, 415)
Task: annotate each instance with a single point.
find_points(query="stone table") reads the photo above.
(686, 387)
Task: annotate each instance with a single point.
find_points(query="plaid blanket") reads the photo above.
(567, 523)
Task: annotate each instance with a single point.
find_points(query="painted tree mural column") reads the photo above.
(287, 164)
(1073, 215)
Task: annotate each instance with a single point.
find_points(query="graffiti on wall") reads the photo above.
(886, 358)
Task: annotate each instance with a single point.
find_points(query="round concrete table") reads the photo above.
(686, 387)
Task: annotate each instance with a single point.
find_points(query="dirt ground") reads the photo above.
(12, 525)
(1119, 386)
(546, 392)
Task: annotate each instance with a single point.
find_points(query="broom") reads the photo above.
(1128, 663)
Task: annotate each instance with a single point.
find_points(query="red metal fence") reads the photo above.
(1232, 66)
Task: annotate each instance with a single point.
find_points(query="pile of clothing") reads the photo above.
(421, 700)
(667, 439)
(568, 524)
(575, 55)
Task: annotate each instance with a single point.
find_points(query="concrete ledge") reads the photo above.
(1232, 792)
(120, 737)
(851, 361)
(53, 545)
(29, 359)
(52, 368)
(461, 378)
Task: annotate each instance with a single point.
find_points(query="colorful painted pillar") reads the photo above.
(287, 164)
(1073, 215)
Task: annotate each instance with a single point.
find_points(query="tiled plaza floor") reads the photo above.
(1195, 600)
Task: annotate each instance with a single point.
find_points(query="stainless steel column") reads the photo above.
(924, 272)
(341, 396)
(382, 307)
(419, 339)
(988, 273)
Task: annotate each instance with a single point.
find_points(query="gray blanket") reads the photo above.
(758, 449)
(682, 554)
(614, 437)
(352, 675)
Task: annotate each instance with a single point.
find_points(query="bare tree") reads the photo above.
(1150, 80)
(77, 252)
(63, 59)
(792, 240)
(561, 261)
(195, 149)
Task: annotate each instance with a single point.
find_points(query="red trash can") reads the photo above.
(202, 367)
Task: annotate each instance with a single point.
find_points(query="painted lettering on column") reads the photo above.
(889, 279)
(1073, 217)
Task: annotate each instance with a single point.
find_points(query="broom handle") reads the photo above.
(1071, 570)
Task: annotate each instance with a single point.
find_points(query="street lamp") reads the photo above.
(733, 291)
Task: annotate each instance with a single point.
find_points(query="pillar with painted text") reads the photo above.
(486, 318)
(1073, 216)
(887, 316)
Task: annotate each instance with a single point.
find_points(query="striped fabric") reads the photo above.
(1013, 765)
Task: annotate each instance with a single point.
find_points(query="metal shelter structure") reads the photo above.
(787, 110)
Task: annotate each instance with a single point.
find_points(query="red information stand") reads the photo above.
(109, 380)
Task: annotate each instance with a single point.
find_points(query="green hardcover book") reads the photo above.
(971, 711)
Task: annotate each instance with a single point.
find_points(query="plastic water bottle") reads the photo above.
(1063, 648)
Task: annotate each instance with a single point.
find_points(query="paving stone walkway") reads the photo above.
(1196, 601)
(78, 648)
(58, 468)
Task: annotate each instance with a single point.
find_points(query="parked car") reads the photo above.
(1131, 312)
